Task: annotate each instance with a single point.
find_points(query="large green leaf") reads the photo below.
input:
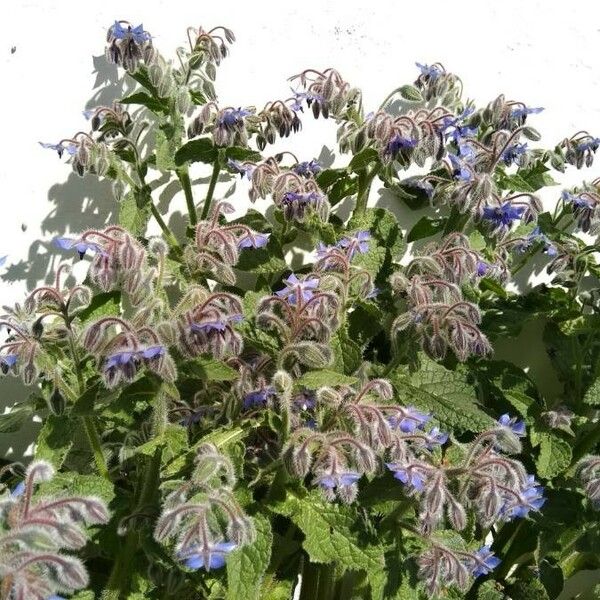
(56, 439)
(156, 105)
(555, 455)
(323, 378)
(332, 535)
(208, 368)
(134, 213)
(445, 393)
(246, 567)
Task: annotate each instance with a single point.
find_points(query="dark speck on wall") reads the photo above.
(13, 49)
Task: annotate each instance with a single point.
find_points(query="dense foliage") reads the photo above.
(218, 426)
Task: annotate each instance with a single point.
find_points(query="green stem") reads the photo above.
(365, 179)
(211, 189)
(118, 582)
(184, 178)
(164, 227)
(145, 189)
(88, 421)
(94, 439)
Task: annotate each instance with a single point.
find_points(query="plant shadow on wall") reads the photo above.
(217, 424)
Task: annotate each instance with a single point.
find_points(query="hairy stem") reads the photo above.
(184, 178)
(211, 189)
(365, 179)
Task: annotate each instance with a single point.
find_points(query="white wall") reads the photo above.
(543, 53)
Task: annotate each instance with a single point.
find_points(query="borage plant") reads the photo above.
(345, 430)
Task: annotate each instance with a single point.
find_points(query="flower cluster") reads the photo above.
(304, 316)
(86, 154)
(121, 349)
(203, 514)
(128, 45)
(205, 323)
(36, 531)
(297, 194)
(588, 469)
(436, 310)
(228, 126)
(217, 247)
(435, 82)
(120, 261)
(326, 93)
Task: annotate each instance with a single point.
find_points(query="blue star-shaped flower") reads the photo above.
(210, 557)
(485, 561)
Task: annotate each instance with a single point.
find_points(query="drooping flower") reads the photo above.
(435, 437)
(577, 200)
(485, 561)
(408, 420)
(258, 398)
(517, 427)
(216, 324)
(18, 490)
(232, 117)
(502, 217)
(460, 171)
(211, 556)
(336, 481)
(7, 361)
(398, 143)
(242, 169)
(408, 476)
(530, 498)
(522, 111)
(536, 236)
(511, 154)
(61, 148)
(297, 290)
(430, 71)
(359, 242)
(254, 240)
(81, 246)
(307, 168)
(137, 34)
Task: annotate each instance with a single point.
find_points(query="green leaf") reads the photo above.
(314, 380)
(332, 534)
(200, 150)
(363, 159)
(141, 76)
(84, 405)
(425, 227)
(55, 439)
(411, 93)
(445, 393)
(15, 419)
(490, 590)
(222, 438)
(555, 455)
(592, 394)
(77, 484)
(477, 241)
(209, 369)
(134, 213)
(173, 440)
(347, 353)
(154, 104)
(269, 259)
(102, 305)
(242, 154)
(167, 142)
(328, 177)
(246, 567)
